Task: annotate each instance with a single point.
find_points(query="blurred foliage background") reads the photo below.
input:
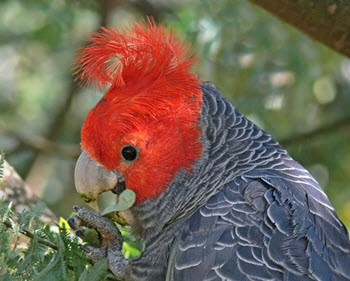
(291, 86)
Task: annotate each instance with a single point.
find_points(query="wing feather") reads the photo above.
(247, 232)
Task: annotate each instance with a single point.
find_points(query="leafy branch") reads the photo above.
(51, 253)
(32, 236)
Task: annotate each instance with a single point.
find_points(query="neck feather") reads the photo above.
(232, 146)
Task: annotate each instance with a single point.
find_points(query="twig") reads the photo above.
(149, 9)
(31, 235)
(321, 131)
(47, 244)
(46, 146)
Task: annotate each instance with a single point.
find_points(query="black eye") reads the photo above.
(129, 152)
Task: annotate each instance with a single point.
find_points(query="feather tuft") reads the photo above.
(153, 102)
(145, 52)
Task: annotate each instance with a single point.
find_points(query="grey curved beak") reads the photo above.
(92, 179)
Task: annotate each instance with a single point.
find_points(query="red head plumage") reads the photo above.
(153, 103)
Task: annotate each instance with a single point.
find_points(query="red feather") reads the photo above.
(154, 103)
(146, 52)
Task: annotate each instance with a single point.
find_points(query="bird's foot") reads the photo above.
(110, 238)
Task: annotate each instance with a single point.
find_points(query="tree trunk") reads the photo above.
(327, 21)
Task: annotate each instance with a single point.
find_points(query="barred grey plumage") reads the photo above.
(248, 211)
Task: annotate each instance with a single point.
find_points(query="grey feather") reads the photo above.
(279, 222)
(246, 212)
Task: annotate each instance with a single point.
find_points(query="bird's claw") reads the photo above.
(75, 222)
(107, 229)
(110, 239)
(80, 233)
(94, 253)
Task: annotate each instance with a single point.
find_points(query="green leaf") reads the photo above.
(96, 273)
(27, 217)
(61, 252)
(91, 237)
(132, 247)
(125, 201)
(5, 210)
(46, 270)
(3, 265)
(131, 252)
(37, 261)
(5, 238)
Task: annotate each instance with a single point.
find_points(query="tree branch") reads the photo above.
(42, 145)
(317, 133)
(13, 189)
(148, 8)
(325, 21)
(30, 235)
(51, 245)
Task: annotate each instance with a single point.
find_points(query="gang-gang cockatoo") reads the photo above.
(217, 198)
